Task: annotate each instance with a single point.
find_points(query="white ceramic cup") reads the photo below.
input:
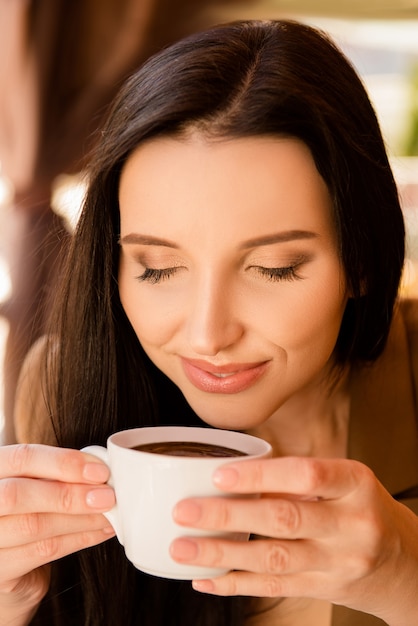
(148, 486)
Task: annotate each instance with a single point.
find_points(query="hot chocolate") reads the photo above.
(188, 448)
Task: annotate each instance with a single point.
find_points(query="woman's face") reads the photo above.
(229, 271)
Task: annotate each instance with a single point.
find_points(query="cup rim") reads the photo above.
(251, 445)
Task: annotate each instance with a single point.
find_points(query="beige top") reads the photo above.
(383, 434)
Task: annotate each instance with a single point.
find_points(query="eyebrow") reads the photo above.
(147, 240)
(282, 237)
(266, 240)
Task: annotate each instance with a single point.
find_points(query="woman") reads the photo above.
(241, 238)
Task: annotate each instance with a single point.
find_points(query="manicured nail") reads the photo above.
(204, 586)
(225, 477)
(101, 499)
(187, 512)
(96, 472)
(184, 550)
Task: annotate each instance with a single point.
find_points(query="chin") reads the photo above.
(227, 420)
(241, 411)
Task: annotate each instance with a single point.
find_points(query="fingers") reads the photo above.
(49, 504)
(22, 559)
(278, 568)
(265, 556)
(30, 460)
(23, 495)
(308, 477)
(271, 516)
(32, 527)
(263, 586)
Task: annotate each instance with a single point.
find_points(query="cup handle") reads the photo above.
(112, 516)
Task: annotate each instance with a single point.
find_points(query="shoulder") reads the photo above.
(408, 313)
(31, 413)
(408, 309)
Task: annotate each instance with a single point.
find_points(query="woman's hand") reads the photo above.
(51, 501)
(326, 529)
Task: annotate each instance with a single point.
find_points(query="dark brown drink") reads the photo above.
(188, 448)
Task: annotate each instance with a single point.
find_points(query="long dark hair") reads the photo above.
(278, 78)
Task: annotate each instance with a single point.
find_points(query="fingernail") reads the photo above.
(184, 550)
(187, 512)
(205, 586)
(225, 477)
(101, 499)
(96, 472)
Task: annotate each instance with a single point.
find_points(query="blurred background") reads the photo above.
(61, 62)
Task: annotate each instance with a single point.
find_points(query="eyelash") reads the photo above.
(276, 274)
(273, 274)
(155, 276)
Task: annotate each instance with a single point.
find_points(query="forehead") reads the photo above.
(259, 182)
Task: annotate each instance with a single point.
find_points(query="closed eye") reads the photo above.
(153, 276)
(276, 274)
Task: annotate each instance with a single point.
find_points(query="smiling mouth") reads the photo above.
(226, 379)
(223, 375)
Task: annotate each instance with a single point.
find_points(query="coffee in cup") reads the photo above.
(188, 448)
(149, 480)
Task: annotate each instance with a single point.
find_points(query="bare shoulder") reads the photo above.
(31, 415)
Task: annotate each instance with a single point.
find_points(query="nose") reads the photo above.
(213, 324)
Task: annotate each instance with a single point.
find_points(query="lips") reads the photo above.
(224, 379)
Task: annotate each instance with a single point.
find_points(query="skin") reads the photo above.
(330, 532)
(223, 272)
(51, 500)
(199, 214)
(327, 529)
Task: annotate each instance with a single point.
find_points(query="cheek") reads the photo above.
(151, 321)
(308, 320)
